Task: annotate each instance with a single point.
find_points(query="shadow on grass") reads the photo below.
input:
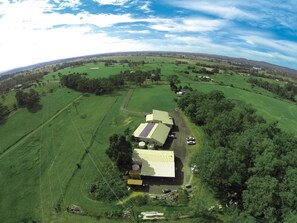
(3, 120)
(35, 108)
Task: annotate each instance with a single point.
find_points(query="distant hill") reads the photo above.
(243, 61)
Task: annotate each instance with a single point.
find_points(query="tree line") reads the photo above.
(249, 163)
(99, 86)
(288, 91)
(203, 70)
(24, 79)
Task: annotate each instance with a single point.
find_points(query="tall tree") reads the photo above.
(120, 151)
(3, 111)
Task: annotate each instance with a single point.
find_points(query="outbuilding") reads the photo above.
(153, 133)
(155, 163)
(158, 116)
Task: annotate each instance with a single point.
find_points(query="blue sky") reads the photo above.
(34, 31)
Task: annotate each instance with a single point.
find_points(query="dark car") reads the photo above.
(165, 191)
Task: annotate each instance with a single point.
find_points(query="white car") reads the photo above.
(191, 142)
(190, 138)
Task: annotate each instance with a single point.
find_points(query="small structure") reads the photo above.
(155, 163)
(134, 182)
(151, 146)
(135, 167)
(160, 117)
(141, 145)
(74, 209)
(151, 215)
(155, 133)
(135, 174)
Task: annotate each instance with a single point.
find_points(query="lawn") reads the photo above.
(150, 97)
(23, 121)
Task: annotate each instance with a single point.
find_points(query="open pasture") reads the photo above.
(64, 151)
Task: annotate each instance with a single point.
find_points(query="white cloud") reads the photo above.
(274, 57)
(111, 2)
(146, 7)
(36, 46)
(284, 46)
(30, 35)
(187, 25)
(32, 15)
(139, 31)
(62, 4)
(223, 9)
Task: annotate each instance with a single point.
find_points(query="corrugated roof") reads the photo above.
(158, 132)
(157, 163)
(160, 116)
(139, 130)
(161, 133)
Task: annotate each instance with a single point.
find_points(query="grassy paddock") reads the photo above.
(23, 121)
(150, 97)
(39, 169)
(271, 109)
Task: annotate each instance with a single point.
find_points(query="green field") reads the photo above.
(270, 108)
(39, 152)
(145, 99)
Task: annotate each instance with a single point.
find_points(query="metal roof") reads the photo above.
(156, 131)
(159, 116)
(156, 163)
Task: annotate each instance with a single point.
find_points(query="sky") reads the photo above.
(34, 31)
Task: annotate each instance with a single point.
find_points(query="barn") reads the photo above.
(155, 133)
(158, 116)
(155, 163)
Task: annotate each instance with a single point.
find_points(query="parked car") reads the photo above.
(172, 135)
(188, 185)
(190, 138)
(166, 190)
(191, 142)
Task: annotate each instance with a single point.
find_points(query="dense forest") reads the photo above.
(249, 163)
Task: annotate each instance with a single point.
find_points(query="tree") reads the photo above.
(173, 79)
(3, 111)
(261, 199)
(120, 151)
(33, 99)
(21, 98)
(30, 100)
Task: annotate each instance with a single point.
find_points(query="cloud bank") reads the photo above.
(34, 31)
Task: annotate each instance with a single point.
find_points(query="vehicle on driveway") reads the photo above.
(191, 142)
(172, 135)
(166, 190)
(190, 138)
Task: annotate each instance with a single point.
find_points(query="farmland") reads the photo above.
(49, 159)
